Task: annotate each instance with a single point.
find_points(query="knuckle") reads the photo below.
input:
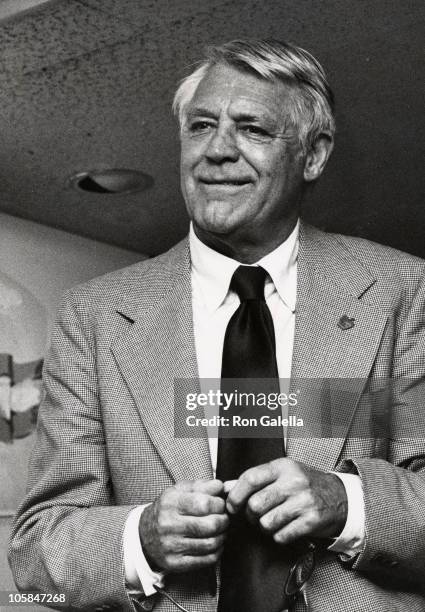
(218, 524)
(161, 525)
(220, 505)
(255, 505)
(161, 529)
(304, 481)
(268, 470)
(213, 524)
(286, 535)
(307, 499)
(251, 477)
(164, 522)
(200, 504)
(211, 545)
(172, 563)
(266, 523)
(311, 520)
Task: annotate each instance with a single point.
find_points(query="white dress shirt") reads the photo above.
(213, 305)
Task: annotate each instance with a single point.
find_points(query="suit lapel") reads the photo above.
(329, 347)
(159, 348)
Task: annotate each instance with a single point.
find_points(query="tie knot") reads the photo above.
(248, 282)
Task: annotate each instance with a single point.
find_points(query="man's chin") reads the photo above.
(214, 226)
(219, 218)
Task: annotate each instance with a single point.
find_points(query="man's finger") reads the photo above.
(202, 526)
(200, 504)
(249, 482)
(280, 516)
(192, 562)
(204, 546)
(213, 487)
(265, 500)
(294, 530)
(228, 486)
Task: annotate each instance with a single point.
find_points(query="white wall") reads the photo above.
(46, 262)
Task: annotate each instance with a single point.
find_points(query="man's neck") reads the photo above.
(246, 250)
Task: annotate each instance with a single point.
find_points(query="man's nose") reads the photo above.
(222, 146)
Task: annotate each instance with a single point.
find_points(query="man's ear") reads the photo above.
(317, 157)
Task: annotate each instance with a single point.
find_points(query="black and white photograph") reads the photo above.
(212, 306)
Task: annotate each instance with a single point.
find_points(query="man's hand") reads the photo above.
(291, 500)
(184, 529)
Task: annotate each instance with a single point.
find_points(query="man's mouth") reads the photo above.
(231, 182)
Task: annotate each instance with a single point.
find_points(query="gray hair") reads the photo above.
(312, 109)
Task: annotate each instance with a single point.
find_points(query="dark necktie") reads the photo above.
(253, 567)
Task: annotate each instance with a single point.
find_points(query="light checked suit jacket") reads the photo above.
(106, 441)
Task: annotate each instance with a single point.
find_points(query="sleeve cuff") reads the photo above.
(138, 573)
(352, 538)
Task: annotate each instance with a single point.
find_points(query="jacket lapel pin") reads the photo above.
(345, 322)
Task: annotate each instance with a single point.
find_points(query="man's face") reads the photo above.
(241, 164)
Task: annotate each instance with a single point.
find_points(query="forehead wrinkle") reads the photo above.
(237, 110)
(253, 106)
(201, 111)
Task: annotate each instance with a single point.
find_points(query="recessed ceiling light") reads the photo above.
(111, 181)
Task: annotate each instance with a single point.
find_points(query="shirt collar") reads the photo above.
(212, 271)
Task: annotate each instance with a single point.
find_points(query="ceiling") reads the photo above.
(87, 84)
(11, 8)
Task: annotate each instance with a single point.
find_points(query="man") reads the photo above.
(121, 513)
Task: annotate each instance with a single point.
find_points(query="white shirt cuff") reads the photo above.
(138, 573)
(351, 540)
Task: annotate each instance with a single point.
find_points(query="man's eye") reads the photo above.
(255, 130)
(200, 126)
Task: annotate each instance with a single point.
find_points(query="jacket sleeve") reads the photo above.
(394, 490)
(67, 536)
